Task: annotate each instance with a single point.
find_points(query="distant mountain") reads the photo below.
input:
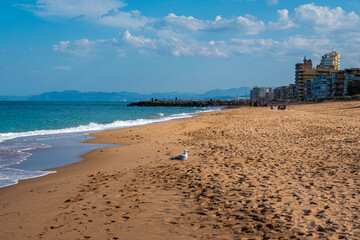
(84, 96)
(72, 95)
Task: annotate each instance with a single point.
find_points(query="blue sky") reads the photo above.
(168, 45)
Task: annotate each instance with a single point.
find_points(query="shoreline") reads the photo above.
(59, 185)
(98, 140)
(35, 172)
(94, 183)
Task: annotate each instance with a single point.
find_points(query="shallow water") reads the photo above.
(35, 136)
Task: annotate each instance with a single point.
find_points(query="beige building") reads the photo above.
(330, 60)
(303, 72)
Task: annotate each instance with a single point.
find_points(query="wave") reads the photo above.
(11, 176)
(12, 153)
(93, 127)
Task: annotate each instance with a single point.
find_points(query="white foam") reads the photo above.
(11, 176)
(15, 152)
(92, 127)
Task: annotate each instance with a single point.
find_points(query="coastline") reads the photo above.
(105, 179)
(28, 154)
(41, 194)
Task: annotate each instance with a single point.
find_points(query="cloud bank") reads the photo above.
(324, 19)
(308, 27)
(109, 12)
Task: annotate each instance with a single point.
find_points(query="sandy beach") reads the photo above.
(252, 173)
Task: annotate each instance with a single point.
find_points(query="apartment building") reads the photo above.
(260, 94)
(352, 76)
(313, 83)
(337, 86)
(303, 72)
(330, 60)
(320, 87)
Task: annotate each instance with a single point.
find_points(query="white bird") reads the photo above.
(183, 156)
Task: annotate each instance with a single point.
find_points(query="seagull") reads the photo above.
(183, 156)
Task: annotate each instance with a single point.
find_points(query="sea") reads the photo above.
(37, 136)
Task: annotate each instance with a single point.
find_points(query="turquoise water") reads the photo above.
(32, 133)
(30, 116)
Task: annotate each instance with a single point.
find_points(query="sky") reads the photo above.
(168, 45)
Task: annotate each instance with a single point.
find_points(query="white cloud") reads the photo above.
(245, 25)
(237, 25)
(107, 12)
(99, 11)
(74, 8)
(83, 47)
(272, 2)
(140, 41)
(176, 34)
(178, 23)
(63, 68)
(144, 45)
(173, 46)
(198, 48)
(132, 19)
(252, 46)
(309, 44)
(284, 21)
(190, 47)
(351, 49)
(78, 47)
(324, 19)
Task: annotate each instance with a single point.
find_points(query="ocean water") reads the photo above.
(35, 136)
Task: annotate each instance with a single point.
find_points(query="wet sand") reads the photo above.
(252, 173)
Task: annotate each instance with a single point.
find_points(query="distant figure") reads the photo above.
(279, 108)
(272, 108)
(183, 156)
